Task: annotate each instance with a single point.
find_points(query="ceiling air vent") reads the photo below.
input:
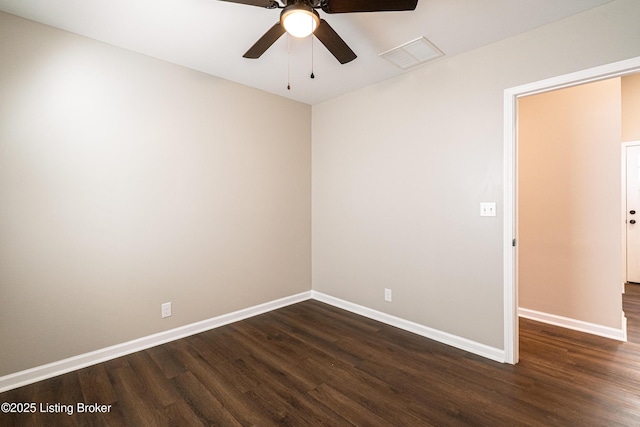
(413, 53)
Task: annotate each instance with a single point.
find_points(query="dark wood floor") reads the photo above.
(311, 364)
(631, 307)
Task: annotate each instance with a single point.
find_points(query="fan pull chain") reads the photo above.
(312, 75)
(288, 62)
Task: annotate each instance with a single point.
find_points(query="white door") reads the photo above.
(633, 213)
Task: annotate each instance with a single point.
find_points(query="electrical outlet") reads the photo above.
(387, 295)
(166, 309)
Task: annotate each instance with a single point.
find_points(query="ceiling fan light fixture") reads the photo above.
(299, 19)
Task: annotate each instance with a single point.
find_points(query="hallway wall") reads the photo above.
(569, 203)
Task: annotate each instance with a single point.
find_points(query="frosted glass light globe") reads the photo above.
(300, 22)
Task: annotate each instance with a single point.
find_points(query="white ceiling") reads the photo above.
(212, 35)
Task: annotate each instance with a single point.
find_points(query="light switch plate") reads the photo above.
(487, 209)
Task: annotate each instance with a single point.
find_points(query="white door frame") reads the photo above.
(510, 253)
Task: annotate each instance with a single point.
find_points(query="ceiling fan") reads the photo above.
(300, 19)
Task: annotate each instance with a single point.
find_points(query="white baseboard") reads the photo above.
(576, 325)
(434, 334)
(60, 367)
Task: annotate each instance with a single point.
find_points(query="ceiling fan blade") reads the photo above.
(348, 6)
(268, 4)
(265, 42)
(334, 43)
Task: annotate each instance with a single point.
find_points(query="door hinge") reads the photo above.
(513, 243)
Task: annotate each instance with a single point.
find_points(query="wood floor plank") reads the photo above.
(202, 403)
(287, 407)
(313, 364)
(631, 307)
(353, 412)
(379, 397)
(164, 357)
(150, 375)
(134, 403)
(214, 378)
(304, 333)
(229, 371)
(179, 414)
(95, 385)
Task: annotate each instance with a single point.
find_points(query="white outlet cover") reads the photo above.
(487, 209)
(166, 309)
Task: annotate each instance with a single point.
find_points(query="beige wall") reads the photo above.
(569, 203)
(631, 107)
(126, 182)
(400, 168)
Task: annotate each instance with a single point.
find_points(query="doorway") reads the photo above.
(631, 190)
(511, 334)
